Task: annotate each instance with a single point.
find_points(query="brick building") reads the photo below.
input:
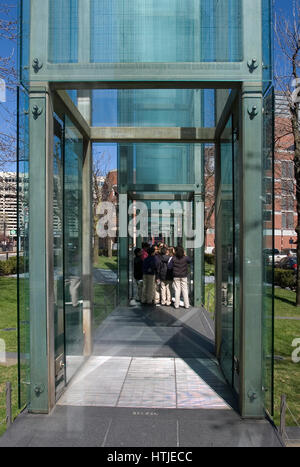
(285, 215)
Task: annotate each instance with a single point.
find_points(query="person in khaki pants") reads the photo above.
(149, 278)
(179, 264)
(166, 278)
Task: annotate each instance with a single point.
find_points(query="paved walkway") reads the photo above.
(152, 381)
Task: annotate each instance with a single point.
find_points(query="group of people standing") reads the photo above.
(159, 270)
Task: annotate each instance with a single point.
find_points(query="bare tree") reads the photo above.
(101, 188)
(209, 180)
(8, 74)
(287, 32)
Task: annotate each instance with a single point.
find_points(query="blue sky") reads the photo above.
(7, 49)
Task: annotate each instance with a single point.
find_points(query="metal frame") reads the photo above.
(246, 85)
(84, 71)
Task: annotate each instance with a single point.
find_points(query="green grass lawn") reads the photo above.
(104, 302)
(8, 312)
(107, 263)
(8, 374)
(287, 373)
(285, 303)
(210, 298)
(8, 319)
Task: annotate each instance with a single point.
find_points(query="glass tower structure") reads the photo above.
(160, 79)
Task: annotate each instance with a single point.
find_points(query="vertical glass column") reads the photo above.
(227, 239)
(73, 162)
(23, 247)
(237, 250)
(58, 256)
(268, 245)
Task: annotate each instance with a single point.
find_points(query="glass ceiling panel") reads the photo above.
(156, 163)
(153, 107)
(130, 31)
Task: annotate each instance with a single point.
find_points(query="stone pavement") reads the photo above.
(153, 381)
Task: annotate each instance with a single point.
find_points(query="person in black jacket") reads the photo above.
(138, 272)
(157, 280)
(149, 277)
(166, 278)
(179, 264)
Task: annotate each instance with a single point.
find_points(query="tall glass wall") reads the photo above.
(268, 244)
(132, 31)
(23, 247)
(24, 33)
(58, 251)
(267, 26)
(153, 108)
(63, 31)
(227, 239)
(165, 30)
(159, 163)
(237, 198)
(73, 247)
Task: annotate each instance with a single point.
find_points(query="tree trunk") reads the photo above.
(296, 133)
(96, 249)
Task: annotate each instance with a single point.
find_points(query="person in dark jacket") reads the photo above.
(166, 278)
(157, 280)
(149, 277)
(179, 265)
(145, 248)
(138, 272)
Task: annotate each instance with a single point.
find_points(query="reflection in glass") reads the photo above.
(58, 262)
(130, 31)
(153, 107)
(23, 247)
(73, 247)
(227, 213)
(268, 245)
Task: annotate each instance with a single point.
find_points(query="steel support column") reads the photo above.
(42, 388)
(85, 107)
(251, 397)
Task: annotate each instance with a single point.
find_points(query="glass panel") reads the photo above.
(268, 241)
(73, 247)
(58, 259)
(237, 259)
(227, 239)
(267, 41)
(63, 31)
(153, 107)
(24, 38)
(160, 163)
(165, 225)
(129, 31)
(23, 247)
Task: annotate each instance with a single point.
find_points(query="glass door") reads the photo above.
(73, 298)
(227, 215)
(23, 247)
(58, 255)
(268, 245)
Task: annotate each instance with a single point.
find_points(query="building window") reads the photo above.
(267, 216)
(287, 187)
(288, 220)
(268, 199)
(287, 169)
(287, 203)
